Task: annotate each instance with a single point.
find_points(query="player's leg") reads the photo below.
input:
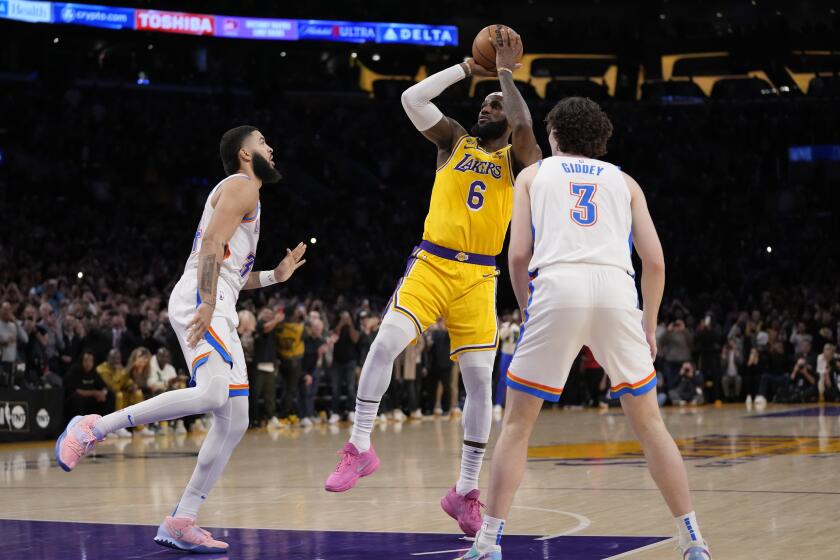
(179, 530)
(550, 343)
(230, 421)
(474, 333)
(663, 457)
(211, 363)
(618, 343)
(667, 469)
(358, 458)
(415, 304)
(462, 501)
(396, 332)
(506, 473)
(209, 393)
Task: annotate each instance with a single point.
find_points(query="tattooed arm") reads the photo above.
(238, 197)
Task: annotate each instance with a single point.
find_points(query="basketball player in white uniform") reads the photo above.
(202, 310)
(571, 270)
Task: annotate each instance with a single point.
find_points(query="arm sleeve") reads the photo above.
(417, 100)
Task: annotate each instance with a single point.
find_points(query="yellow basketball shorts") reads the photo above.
(463, 293)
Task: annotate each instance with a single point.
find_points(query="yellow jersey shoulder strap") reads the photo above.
(462, 140)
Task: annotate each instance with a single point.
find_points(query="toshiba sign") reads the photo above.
(174, 22)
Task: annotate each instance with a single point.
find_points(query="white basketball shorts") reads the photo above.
(575, 305)
(221, 337)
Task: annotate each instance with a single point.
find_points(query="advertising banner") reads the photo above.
(174, 22)
(256, 28)
(93, 16)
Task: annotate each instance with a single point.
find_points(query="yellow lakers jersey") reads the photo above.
(472, 200)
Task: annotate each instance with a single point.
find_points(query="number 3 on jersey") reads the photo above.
(585, 211)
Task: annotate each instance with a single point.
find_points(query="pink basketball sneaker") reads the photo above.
(181, 533)
(76, 441)
(352, 466)
(466, 510)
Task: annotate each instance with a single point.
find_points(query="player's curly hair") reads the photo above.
(580, 127)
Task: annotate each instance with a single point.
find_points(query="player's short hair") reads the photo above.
(230, 144)
(580, 126)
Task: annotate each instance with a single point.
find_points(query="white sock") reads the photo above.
(189, 504)
(490, 533)
(365, 415)
(471, 458)
(689, 529)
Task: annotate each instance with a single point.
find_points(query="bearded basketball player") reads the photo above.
(202, 310)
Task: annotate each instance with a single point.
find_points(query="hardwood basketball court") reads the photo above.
(766, 485)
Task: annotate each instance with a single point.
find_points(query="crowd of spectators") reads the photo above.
(101, 187)
(304, 356)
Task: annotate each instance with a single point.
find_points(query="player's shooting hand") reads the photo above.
(291, 263)
(508, 48)
(651, 340)
(477, 69)
(199, 324)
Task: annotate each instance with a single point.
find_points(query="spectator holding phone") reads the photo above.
(731, 380)
(824, 362)
(345, 340)
(689, 389)
(263, 377)
(676, 344)
(12, 333)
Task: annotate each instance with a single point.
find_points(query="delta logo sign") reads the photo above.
(175, 22)
(412, 34)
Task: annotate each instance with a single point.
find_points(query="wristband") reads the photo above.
(267, 278)
(504, 70)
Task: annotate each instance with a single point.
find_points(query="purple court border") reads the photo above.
(56, 540)
(811, 411)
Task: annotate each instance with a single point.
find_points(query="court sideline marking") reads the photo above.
(641, 549)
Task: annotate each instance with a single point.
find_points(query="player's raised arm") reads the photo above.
(525, 149)
(443, 131)
(646, 242)
(237, 198)
(521, 247)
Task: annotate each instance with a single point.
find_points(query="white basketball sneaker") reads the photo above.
(696, 551)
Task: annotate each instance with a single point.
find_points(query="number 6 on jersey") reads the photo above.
(585, 212)
(475, 199)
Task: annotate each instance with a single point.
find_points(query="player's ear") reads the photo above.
(245, 154)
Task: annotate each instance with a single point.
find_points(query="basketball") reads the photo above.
(484, 46)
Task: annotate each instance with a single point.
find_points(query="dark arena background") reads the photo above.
(726, 113)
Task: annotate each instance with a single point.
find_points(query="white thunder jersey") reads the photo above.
(241, 250)
(580, 212)
(581, 292)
